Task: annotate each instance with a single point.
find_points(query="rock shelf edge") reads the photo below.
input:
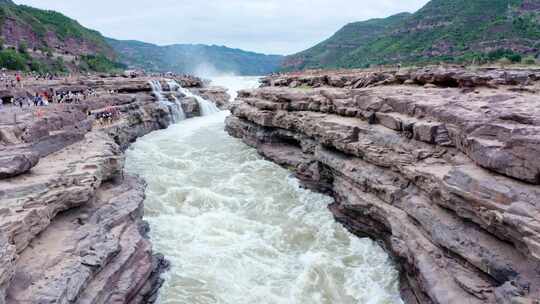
(438, 164)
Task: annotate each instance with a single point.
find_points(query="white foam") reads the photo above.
(175, 107)
(236, 83)
(207, 107)
(238, 229)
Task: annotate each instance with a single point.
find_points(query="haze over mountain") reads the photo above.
(194, 59)
(443, 30)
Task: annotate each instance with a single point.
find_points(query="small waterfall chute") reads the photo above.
(172, 88)
(207, 107)
(175, 107)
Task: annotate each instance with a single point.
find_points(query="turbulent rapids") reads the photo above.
(175, 107)
(239, 229)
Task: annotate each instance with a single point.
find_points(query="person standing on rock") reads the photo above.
(19, 81)
(36, 100)
(52, 95)
(46, 96)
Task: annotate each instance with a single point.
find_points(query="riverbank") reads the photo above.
(71, 224)
(438, 164)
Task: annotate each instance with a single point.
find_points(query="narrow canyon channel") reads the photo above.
(239, 229)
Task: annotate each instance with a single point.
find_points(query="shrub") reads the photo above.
(529, 60)
(12, 60)
(99, 63)
(23, 47)
(514, 58)
(503, 53)
(45, 49)
(38, 66)
(59, 65)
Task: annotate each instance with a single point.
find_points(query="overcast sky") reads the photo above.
(267, 26)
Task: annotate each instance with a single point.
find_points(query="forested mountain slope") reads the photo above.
(443, 30)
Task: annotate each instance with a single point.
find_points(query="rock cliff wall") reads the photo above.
(440, 165)
(71, 227)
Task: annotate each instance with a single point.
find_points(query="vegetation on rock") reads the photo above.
(13, 60)
(99, 63)
(42, 40)
(454, 31)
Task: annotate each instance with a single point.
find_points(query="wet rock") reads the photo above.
(217, 95)
(191, 106)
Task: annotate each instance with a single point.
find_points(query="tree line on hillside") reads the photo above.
(20, 59)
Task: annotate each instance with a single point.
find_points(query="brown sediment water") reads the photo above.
(239, 229)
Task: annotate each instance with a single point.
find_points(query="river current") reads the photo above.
(239, 230)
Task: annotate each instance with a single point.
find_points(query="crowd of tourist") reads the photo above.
(16, 80)
(47, 97)
(75, 97)
(102, 118)
(106, 117)
(29, 90)
(37, 101)
(11, 81)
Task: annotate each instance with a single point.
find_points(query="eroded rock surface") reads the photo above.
(445, 174)
(216, 94)
(13, 165)
(71, 227)
(436, 76)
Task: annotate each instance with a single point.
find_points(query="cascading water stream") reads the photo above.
(206, 107)
(174, 107)
(239, 230)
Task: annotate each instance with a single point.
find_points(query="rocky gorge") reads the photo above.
(440, 165)
(71, 226)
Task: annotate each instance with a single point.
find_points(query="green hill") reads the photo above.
(43, 40)
(48, 41)
(443, 30)
(190, 58)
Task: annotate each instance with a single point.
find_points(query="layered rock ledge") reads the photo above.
(441, 165)
(71, 227)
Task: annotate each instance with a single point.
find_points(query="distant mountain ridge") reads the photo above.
(443, 30)
(189, 58)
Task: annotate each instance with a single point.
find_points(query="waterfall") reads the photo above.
(207, 107)
(174, 107)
